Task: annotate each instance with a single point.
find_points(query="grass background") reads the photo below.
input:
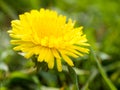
(101, 21)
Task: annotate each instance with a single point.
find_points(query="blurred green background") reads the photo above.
(101, 21)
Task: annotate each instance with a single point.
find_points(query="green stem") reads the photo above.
(102, 72)
(74, 78)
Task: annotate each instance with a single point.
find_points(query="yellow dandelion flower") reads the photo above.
(47, 35)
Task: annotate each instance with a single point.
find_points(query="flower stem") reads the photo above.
(74, 78)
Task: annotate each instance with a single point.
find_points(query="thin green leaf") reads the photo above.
(102, 72)
(7, 9)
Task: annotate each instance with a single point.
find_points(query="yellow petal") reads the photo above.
(81, 49)
(74, 51)
(17, 48)
(55, 53)
(29, 54)
(69, 53)
(42, 54)
(50, 59)
(59, 65)
(67, 59)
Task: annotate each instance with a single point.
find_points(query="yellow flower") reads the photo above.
(47, 35)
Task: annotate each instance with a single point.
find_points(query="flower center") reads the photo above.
(54, 42)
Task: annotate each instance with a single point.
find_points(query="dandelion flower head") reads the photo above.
(49, 36)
